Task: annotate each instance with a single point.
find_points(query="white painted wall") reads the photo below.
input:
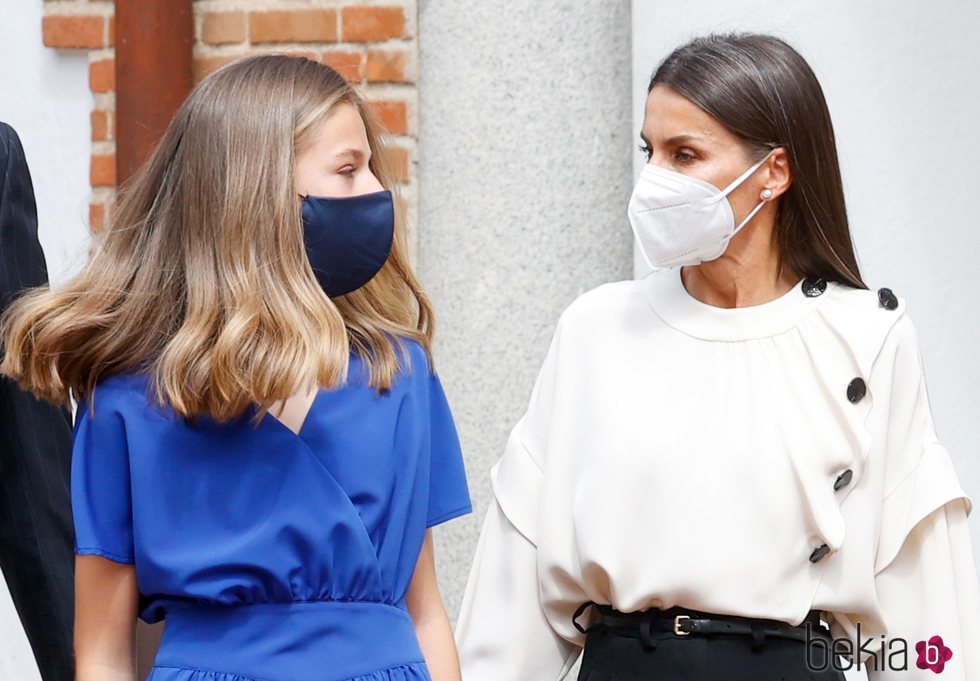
(44, 95)
(901, 82)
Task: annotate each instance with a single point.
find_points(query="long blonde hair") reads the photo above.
(202, 278)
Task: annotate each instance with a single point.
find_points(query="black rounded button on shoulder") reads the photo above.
(887, 299)
(843, 479)
(813, 287)
(819, 553)
(856, 390)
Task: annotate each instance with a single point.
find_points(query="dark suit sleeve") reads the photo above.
(22, 263)
(36, 536)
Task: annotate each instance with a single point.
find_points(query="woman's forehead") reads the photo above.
(671, 116)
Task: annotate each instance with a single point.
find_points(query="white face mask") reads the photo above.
(681, 220)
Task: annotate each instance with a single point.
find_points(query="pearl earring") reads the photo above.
(766, 194)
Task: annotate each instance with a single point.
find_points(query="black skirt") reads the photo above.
(614, 654)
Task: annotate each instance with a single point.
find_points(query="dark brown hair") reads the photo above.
(765, 93)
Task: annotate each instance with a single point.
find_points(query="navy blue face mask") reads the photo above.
(348, 239)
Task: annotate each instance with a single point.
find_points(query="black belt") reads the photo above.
(684, 622)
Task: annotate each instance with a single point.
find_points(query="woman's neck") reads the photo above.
(746, 274)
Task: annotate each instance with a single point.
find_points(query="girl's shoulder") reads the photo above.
(122, 394)
(119, 388)
(414, 367)
(413, 358)
(128, 381)
(415, 350)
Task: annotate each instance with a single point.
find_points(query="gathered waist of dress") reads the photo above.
(299, 641)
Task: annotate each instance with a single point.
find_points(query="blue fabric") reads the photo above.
(220, 516)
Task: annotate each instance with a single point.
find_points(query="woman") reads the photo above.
(260, 443)
(722, 456)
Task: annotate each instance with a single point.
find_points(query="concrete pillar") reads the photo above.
(525, 173)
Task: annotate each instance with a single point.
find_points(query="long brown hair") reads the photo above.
(765, 93)
(201, 278)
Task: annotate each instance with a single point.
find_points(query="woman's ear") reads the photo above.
(780, 174)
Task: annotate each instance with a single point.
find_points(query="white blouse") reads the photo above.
(759, 461)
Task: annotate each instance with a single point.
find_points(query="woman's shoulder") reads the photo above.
(603, 305)
(876, 321)
(881, 299)
(870, 307)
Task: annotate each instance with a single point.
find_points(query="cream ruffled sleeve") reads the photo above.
(502, 633)
(925, 574)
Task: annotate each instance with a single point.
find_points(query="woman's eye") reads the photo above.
(347, 171)
(647, 150)
(684, 156)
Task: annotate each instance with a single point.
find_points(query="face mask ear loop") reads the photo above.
(748, 217)
(741, 178)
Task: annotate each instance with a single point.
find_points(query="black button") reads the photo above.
(887, 299)
(843, 479)
(856, 389)
(813, 287)
(819, 553)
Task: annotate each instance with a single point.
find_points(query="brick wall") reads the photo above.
(373, 44)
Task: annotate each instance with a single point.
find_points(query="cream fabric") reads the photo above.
(678, 453)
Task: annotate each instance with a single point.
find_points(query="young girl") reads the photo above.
(260, 440)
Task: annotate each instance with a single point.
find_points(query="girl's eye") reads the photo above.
(348, 171)
(647, 150)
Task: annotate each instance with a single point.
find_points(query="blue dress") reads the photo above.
(273, 556)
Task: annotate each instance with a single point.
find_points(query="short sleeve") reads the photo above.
(449, 495)
(100, 483)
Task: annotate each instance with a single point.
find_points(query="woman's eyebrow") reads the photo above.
(676, 139)
(686, 137)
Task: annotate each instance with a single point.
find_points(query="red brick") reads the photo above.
(82, 31)
(386, 66)
(401, 207)
(101, 125)
(398, 162)
(112, 31)
(102, 171)
(204, 65)
(347, 64)
(364, 24)
(306, 54)
(96, 216)
(393, 115)
(220, 28)
(102, 75)
(293, 26)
